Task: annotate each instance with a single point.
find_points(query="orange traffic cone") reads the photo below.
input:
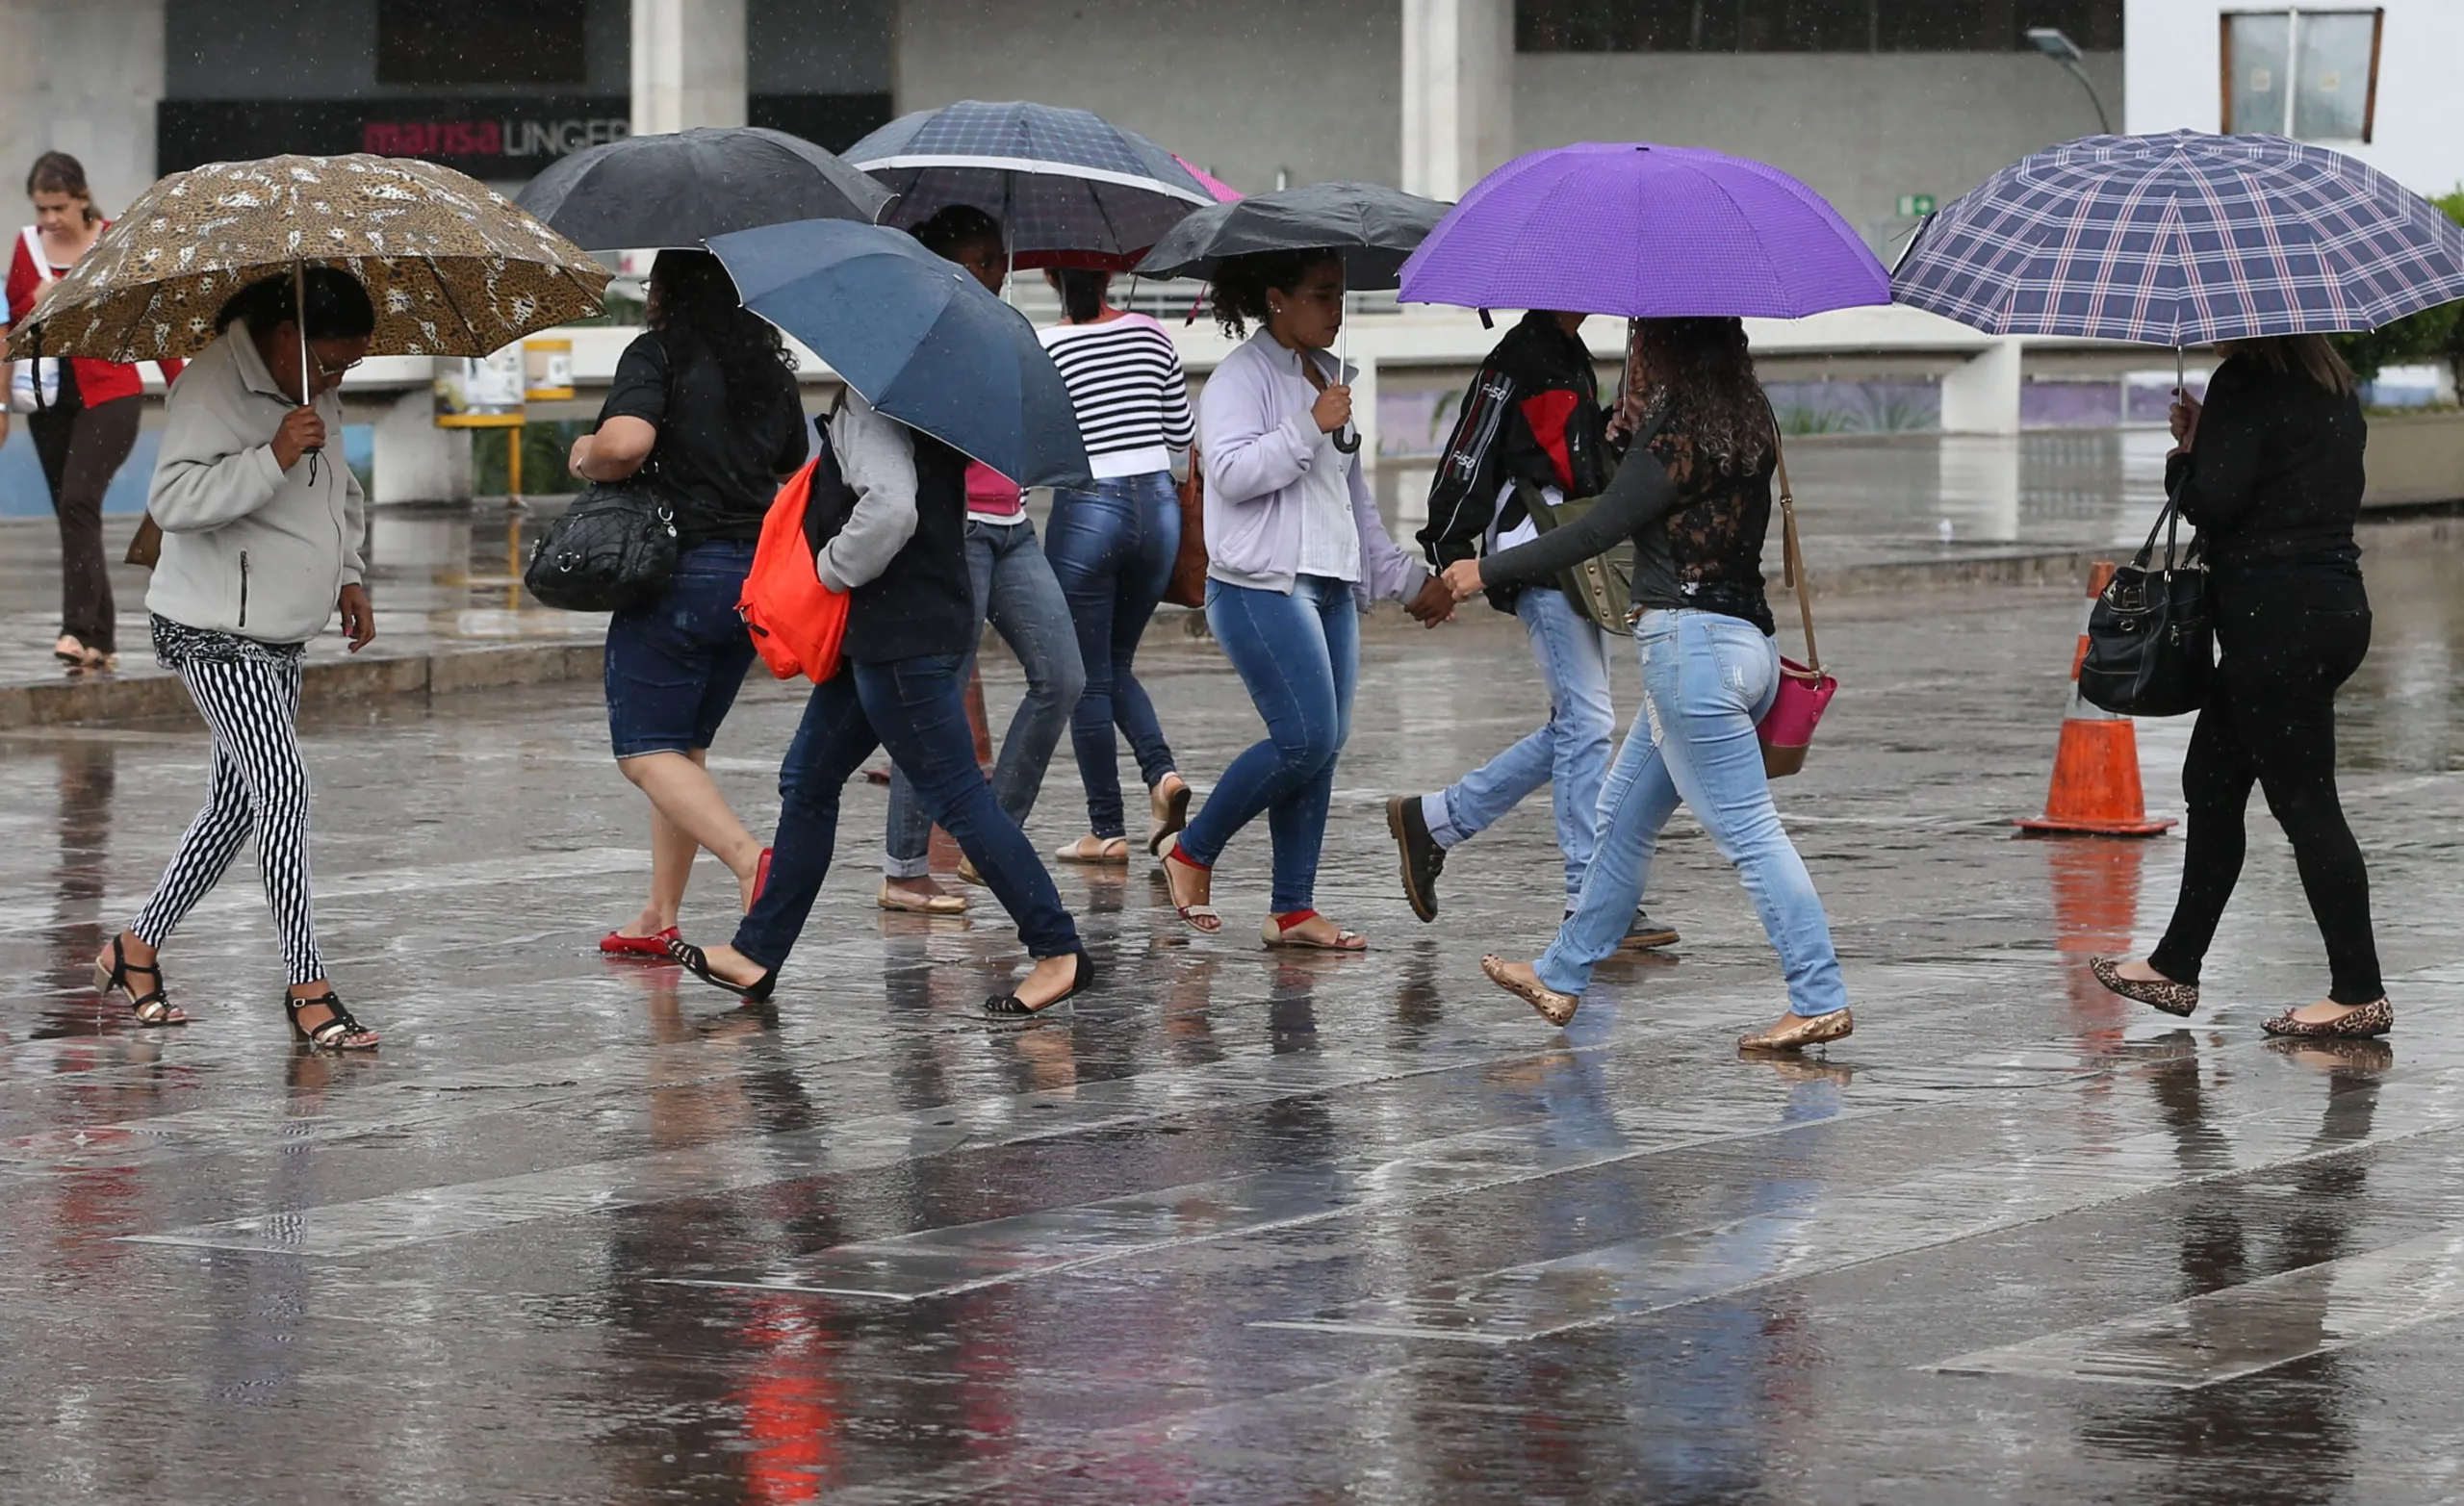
(2095, 769)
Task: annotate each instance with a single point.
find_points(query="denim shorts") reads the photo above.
(674, 665)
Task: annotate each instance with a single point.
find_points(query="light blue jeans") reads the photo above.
(1708, 678)
(1569, 753)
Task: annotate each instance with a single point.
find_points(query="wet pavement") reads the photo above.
(1244, 1227)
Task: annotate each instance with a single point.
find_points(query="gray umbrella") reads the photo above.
(679, 188)
(1373, 227)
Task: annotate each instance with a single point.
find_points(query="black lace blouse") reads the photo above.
(1698, 534)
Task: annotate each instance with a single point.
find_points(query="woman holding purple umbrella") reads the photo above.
(1694, 493)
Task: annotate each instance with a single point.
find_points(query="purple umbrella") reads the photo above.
(1644, 232)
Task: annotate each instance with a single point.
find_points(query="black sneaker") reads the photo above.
(1643, 934)
(1423, 858)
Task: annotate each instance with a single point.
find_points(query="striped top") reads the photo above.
(1126, 382)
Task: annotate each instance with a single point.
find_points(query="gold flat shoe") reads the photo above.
(910, 903)
(1558, 1009)
(1796, 1032)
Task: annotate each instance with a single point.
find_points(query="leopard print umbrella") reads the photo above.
(453, 268)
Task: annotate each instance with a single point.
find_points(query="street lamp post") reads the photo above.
(2054, 45)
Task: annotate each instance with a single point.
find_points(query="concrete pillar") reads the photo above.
(1459, 93)
(81, 79)
(416, 461)
(689, 63)
(1983, 396)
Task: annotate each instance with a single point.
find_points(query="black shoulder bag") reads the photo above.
(614, 547)
(2150, 642)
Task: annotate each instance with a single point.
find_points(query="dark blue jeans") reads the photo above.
(916, 708)
(1300, 654)
(674, 665)
(1113, 546)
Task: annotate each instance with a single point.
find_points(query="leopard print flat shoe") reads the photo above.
(2355, 1024)
(2176, 998)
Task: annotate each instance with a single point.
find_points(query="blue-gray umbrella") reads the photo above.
(917, 338)
(1057, 180)
(2183, 239)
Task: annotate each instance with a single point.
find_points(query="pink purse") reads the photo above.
(1787, 730)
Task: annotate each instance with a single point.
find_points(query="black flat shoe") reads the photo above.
(1011, 1006)
(693, 959)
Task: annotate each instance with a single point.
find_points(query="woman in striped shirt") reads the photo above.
(1113, 544)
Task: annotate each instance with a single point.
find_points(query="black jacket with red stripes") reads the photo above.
(1532, 412)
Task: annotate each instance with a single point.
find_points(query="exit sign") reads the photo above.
(1914, 206)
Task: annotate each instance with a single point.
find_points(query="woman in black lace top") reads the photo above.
(1694, 493)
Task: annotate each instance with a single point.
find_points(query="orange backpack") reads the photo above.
(796, 622)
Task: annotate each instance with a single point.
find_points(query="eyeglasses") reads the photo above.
(337, 372)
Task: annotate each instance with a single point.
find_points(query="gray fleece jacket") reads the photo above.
(249, 547)
(877, 460)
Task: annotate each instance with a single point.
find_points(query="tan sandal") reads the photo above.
(1171, 812)
(1281, 930)
(1558, 1009)
(906, 902)
(1204, 919)
(1109, 852)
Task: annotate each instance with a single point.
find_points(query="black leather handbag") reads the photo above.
(2151, 643)
(614, 547)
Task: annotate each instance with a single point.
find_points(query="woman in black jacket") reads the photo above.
(2271, 472)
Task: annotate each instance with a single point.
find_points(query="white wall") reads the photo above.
(1861, 128)
(2175, 81)
(1240, 88)
(81, 78)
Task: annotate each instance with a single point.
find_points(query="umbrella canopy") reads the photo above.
(918, 338)
(1224, 192)
(1644, 232)
(453, 267)
(1373, 226)
(2183, 239)
(1057, 180)
(679, 188)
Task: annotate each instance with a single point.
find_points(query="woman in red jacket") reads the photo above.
(83, 412)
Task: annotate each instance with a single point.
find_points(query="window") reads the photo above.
(2312, 75)
(1808, 25)
(480, 42)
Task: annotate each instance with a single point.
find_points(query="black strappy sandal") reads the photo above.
(153, 1008)
(1010, 1007)
(338, 1032)
(693, 959)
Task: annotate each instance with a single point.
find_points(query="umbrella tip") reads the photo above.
(1487, 322)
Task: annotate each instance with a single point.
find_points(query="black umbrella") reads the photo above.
(678, 190)
(1373, 227)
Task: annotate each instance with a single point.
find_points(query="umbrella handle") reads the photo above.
(1347, 440)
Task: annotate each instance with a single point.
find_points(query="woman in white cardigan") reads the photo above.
(1296, 552)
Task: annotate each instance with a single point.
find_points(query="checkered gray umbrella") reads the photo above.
(2183, 239)
(1057, 180)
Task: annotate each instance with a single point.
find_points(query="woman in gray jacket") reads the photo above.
(260, 548)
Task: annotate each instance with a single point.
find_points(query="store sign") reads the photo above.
(490, 137)
(1915, 206)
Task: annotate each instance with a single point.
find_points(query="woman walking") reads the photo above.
(2271, 472)
(1297, 554)
(1694, 493)
(1014, 588)
(911, 623)
(704, 406)
(260, 548)
(1113, 546)
(83, 414)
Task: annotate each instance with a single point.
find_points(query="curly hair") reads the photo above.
(1241, 284)
(1703, 370)
(697, 302)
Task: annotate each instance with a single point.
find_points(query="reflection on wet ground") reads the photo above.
(1245, 1227)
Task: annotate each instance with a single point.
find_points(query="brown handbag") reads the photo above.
(1188, 585)
(146, 548)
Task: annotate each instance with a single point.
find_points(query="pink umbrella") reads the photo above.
(1224, 192)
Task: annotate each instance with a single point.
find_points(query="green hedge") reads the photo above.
(2432, 335)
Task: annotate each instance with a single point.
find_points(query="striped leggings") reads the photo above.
(260, 784)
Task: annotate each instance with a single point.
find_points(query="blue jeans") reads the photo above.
(1112, 547)
(1570, 753)
(674, 665)
(1014, 587)
(918, 709)
(1708, 678)
(1300, 654)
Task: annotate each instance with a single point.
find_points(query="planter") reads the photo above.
(2415, 459)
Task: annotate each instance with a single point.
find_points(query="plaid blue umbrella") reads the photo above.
(2183, 239)
(1057, 180)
